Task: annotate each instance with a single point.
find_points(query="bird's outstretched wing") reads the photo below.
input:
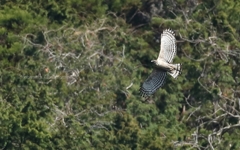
(153, 82)
(168, 46)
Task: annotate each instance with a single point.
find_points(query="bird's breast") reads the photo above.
(163, 65)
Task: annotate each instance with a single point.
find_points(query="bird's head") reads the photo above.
(154, 61)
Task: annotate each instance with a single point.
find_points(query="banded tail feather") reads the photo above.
(174, 73)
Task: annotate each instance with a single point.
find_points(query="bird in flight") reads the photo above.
(163, 65)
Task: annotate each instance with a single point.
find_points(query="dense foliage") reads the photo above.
(71, 70)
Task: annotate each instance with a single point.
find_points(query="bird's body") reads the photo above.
(172, 69)
(163, 64)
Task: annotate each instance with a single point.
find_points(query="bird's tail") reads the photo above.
(178, 68)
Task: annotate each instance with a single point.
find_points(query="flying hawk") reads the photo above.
(163, 65)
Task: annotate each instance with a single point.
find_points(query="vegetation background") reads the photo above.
(71, 70)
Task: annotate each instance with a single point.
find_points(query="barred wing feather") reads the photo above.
(153, 82)
(168, 46)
